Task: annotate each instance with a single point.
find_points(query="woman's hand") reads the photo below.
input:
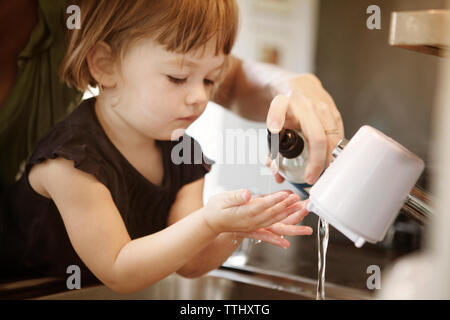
(287, 227)
(297, 101)
(307, 107)
(238, 211)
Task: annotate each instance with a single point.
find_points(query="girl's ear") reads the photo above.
(101, 65)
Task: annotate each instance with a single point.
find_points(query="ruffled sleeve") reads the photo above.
(71, 144)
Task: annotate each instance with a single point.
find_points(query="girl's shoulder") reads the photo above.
(82, 120)
(77, 132)
(79, 138)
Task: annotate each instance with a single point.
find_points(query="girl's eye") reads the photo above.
(209, 82)
(176, 80)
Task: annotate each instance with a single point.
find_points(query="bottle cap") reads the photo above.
(291, 144)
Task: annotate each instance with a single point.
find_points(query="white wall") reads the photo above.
(290, 27)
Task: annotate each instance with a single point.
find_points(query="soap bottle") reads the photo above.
(289, 155)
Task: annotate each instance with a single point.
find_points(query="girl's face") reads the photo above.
(157, 95)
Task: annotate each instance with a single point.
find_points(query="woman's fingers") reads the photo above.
(335, 113)
(275, 122)
(275, 172)
(332, 129)
(314, 134)
(277, 113)
(310, 108)
(278, 177)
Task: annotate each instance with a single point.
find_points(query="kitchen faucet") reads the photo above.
(417, 204)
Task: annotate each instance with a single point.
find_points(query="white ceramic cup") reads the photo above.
(362, 191)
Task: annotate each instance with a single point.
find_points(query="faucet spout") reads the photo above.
(417, 206)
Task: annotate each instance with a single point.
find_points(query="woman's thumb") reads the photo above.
(237, 197)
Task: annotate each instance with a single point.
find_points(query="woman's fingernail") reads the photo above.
(274, 167)
(274, 127)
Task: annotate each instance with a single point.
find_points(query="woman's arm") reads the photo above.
(248, 88)
(189, 199)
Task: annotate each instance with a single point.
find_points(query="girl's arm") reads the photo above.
(189, 199)
(99, 236)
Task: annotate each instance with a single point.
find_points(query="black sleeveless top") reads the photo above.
(33, 239)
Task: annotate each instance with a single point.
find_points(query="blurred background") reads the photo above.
(371, 82)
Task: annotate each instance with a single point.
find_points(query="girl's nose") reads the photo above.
(198, 95)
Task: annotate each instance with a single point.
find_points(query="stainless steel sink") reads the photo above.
(221, 284)
(266, 273)
(174, 287)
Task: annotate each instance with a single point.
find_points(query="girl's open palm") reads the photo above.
(287, 227)
(238, 211)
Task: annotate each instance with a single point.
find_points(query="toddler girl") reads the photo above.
(104, 189)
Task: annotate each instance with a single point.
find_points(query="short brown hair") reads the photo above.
(179, 25)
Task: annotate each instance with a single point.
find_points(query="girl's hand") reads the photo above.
(287, 227)
(238, 211)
